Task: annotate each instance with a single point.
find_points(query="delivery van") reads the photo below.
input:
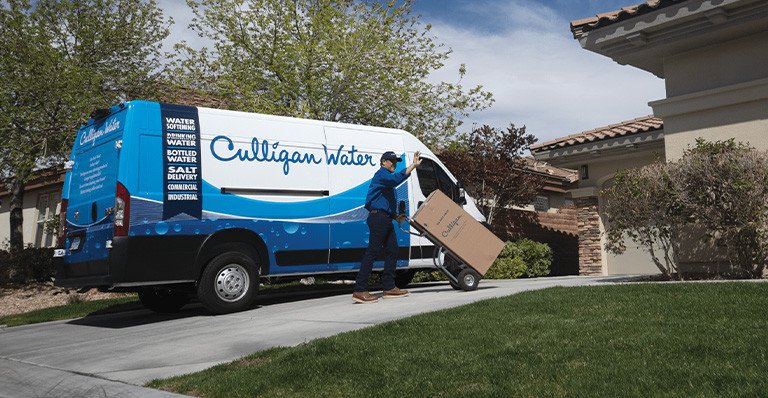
(174, 201)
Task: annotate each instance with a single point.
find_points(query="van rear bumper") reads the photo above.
(134, 260)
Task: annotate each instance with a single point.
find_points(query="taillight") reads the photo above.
(62, 237)
(122, 210)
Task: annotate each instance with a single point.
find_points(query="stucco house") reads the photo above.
(42, 202)
(713, 57)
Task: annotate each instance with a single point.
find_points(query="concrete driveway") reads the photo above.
(114, 354)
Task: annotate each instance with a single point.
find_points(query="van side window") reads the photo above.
(432, 176)
(427, 177)
(447, 185)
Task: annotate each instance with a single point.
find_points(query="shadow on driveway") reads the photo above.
(134, 314)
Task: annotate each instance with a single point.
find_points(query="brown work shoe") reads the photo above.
(395, 293)
(364, 298)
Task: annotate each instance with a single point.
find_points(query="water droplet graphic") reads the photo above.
(131, 233)
(227, 225)
(366, 240)
(145, 220)
(286, 246)
(347, 243)
(197, 231)
(98, 245)
(148, 231)
(262, 235)
(177, 227)
(161, 227)
(290, 227)
(303, 231)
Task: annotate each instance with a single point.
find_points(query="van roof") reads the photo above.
(264, 116)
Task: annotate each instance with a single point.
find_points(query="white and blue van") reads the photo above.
(174, 201)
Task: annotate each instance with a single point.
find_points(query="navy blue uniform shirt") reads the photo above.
(381, 192)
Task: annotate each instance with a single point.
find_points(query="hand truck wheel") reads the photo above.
(468, 280)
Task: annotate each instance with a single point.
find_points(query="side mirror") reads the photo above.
(462, 193)
(401, 207)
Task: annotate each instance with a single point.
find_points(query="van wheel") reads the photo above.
(163, 300)
(468, 279)
(403, 278)
(229, 283)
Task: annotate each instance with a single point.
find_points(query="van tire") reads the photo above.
(229, 283)
(161, 300)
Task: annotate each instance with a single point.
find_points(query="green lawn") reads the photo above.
(697, 339)
(69, 311)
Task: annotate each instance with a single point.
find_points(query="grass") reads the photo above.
(75, 309)
(698, 339)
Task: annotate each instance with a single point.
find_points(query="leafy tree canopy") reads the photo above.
(338, 60)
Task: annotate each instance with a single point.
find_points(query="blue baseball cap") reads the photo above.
(389, 155)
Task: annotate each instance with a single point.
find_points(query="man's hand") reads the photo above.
(416, 162)
(400, 218)
(417, 158)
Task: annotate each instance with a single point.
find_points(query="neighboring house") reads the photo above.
(550, 219)
(598, 154)
(42, 202)
(713, 57)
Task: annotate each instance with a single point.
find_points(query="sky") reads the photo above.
(524, 53)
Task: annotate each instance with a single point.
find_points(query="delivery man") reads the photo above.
(382, 209)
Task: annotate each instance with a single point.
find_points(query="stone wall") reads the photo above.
(588, 220)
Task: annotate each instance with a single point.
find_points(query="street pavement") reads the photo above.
(114, 354)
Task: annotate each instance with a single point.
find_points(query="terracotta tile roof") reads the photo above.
(629, 127)
(579, 27)
(564, 220)
(547, 169)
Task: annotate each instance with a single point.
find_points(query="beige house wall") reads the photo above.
(716, 92)
(31, 213)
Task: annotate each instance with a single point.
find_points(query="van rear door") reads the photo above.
(92, 188)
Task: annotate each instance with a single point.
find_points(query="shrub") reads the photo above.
(719, 187)
(30, 264)
(521, 258)
(507, 268)
(428, 276)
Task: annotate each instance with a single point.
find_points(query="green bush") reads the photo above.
(521, 258)
(506, 268)
(428, 276)
(31, 264)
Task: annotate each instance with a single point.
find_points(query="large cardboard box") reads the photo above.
(447, 224)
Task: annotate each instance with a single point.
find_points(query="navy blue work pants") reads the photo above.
(382, 237)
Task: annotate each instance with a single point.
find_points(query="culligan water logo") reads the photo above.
(264, 151)
(92, 134)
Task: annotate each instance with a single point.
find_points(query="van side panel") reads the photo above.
(271, 177)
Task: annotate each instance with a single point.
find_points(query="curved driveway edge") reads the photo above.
(117, 352)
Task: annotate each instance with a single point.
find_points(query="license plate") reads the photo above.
(75, 244)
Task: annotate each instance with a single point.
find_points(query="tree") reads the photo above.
(59, 59)
(644, 206)
(716, 189)
(350, 61)
(490, 161)
(725, 186)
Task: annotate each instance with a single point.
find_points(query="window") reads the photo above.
(427, 177)
(47, 209)
(432, 177)
(541, 203)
